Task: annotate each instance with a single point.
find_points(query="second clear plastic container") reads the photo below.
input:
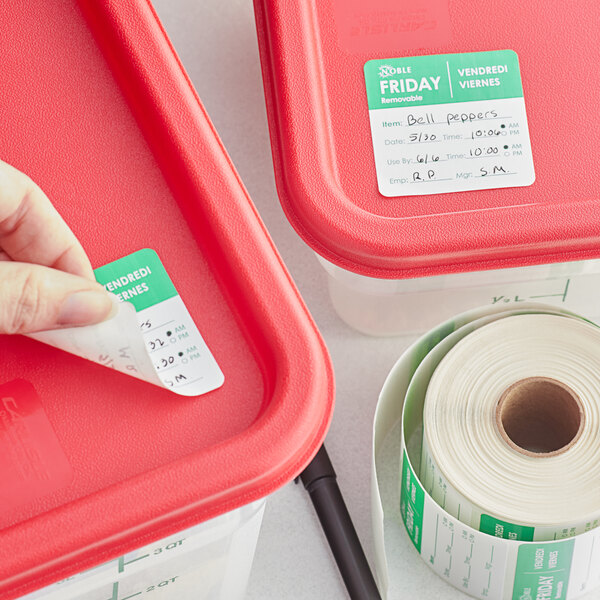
(401, 258)
(210, 561)
(387, 307)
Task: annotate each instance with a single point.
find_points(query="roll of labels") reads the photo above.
(499, 460)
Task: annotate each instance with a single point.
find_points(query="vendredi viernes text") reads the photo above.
(475, 77)
(126, 281)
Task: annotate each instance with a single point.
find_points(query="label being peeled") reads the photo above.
(152, 336)
(482, 541)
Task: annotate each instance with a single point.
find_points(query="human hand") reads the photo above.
(46, 279)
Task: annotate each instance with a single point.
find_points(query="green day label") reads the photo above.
(139, 278)
(504, 529)
(448, 123)
(179, 354)
(543, 571)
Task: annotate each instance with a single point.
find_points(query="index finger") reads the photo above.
(31, 230)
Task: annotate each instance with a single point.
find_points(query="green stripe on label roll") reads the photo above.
(503, 529)
(412, 500)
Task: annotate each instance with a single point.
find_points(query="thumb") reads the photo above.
(34, 298)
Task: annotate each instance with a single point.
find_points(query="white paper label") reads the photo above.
(448, 123)
(152, 337)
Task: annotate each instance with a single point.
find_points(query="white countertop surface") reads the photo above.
(216, 41)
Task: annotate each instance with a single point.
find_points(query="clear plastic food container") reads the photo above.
(416, 142)
(386, 307)
(210, 561)
(114, 488)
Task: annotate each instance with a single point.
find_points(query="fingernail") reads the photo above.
(85, 308)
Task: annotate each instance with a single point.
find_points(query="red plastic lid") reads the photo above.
(97, 109)
(313, 54)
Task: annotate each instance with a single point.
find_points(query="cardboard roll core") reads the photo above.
(540, 417)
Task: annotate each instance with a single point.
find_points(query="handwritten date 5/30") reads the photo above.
(422, 137)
